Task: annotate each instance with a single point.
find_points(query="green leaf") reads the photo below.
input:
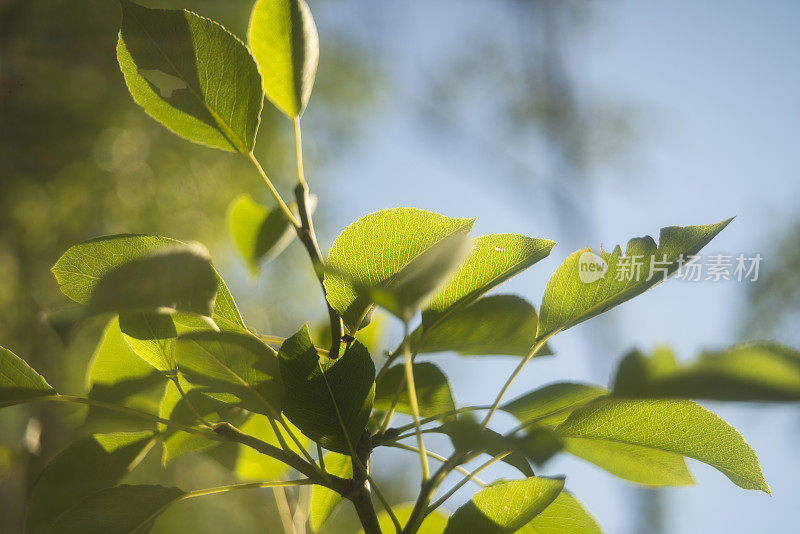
(405, 292)
(86, 466)
(575, 294)
(284, 41)
(258, 233)
(565, 515)
(494, 259)
(175, 407)
(122, 509)
(539, 444)
(434, 523)
(678, 426)
(151, 335)
(119, 376)
(551, 405)
(642, 465)
(434, 393)
(328, 400)
(238, 366)
(178, 277)
(192, 75)
(505, 507)
(80, 268)
(497, 324)
(468, 436)
(758, 371)
(375, 248)
(18, 381)
(323, 500)
(251, 464)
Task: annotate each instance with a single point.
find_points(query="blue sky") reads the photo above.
(714, 87)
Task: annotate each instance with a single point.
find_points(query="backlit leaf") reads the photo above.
(434, 393)
(552, 404)
(18, 381)
(80, 268)
(86, 466)
(467, 435)
(677, 426)
(235, 365)
(376, 247)
(122, 509)
(505, 507)
(493, 260)
(251, 464)
(323, 500)
(434, 523)
(565, 515)
(576, 293)
(321, 391)
(757, 371)
(284, 41)
(497, 324)
(192, 75)
(260, 234)
(178, 277)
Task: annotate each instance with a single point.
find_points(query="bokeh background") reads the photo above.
(582, 121)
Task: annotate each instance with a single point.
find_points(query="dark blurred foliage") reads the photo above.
(773, 306)
(78, 159)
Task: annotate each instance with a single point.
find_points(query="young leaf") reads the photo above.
(678, 426)
(757, 371)
(434, 393)
(497, 324)
(119, 376)
(376, 247)
(434, 523)
(494, 259)
(122, 509)
(573, 296)
(192, 75)
(178, 277)
(328, 400)
(258, 233)
(642, 465)
(86, 466)
(505, 507)
(323, 500)
(284, 41)
(18, 381)
(467, 435)
(564, 515)
(551, 405)
(235, 365)
(80, 268)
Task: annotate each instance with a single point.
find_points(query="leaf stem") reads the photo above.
(534, 349)
(466, 409)
(412, 397)
(284, 511)
(441, 458)
(277, 196)
(462, 482)
(298, 153)
(247, 485)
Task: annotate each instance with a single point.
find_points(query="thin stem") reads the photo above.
(412, 397)
(442, 459)
(177, 382)
(400, 429)
(298, 152)
(302, 509)
(463, 481)
(278, 340)
(277, 196)
(284, 511)
(536, 347)
(248, 485)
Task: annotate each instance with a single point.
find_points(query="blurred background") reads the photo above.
(581, 121)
